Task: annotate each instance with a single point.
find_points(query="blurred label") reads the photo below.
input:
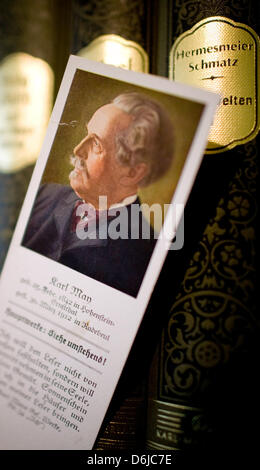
(115, 50)
(175, 427)
(26, 92)
(222, 56)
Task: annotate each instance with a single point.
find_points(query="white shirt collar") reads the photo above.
(125, 202)
(128, 200)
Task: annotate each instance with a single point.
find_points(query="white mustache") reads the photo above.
(78, 162)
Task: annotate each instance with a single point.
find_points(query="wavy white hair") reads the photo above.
(148, 139)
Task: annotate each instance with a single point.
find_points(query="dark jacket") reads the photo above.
(119, 263)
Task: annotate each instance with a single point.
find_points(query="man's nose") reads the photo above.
(81, 149)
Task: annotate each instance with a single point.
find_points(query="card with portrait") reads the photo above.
(107, 195)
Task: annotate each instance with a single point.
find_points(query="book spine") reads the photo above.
(115, 32)
(32, 60)
(202, 387)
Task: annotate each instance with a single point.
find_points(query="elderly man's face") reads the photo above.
(97, 171)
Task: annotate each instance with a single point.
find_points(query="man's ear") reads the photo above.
(134, 174)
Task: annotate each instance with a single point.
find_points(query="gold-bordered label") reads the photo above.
(115, 50)
(222, 56)
(26, 94)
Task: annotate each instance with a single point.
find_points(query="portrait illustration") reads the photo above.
(114, 164)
